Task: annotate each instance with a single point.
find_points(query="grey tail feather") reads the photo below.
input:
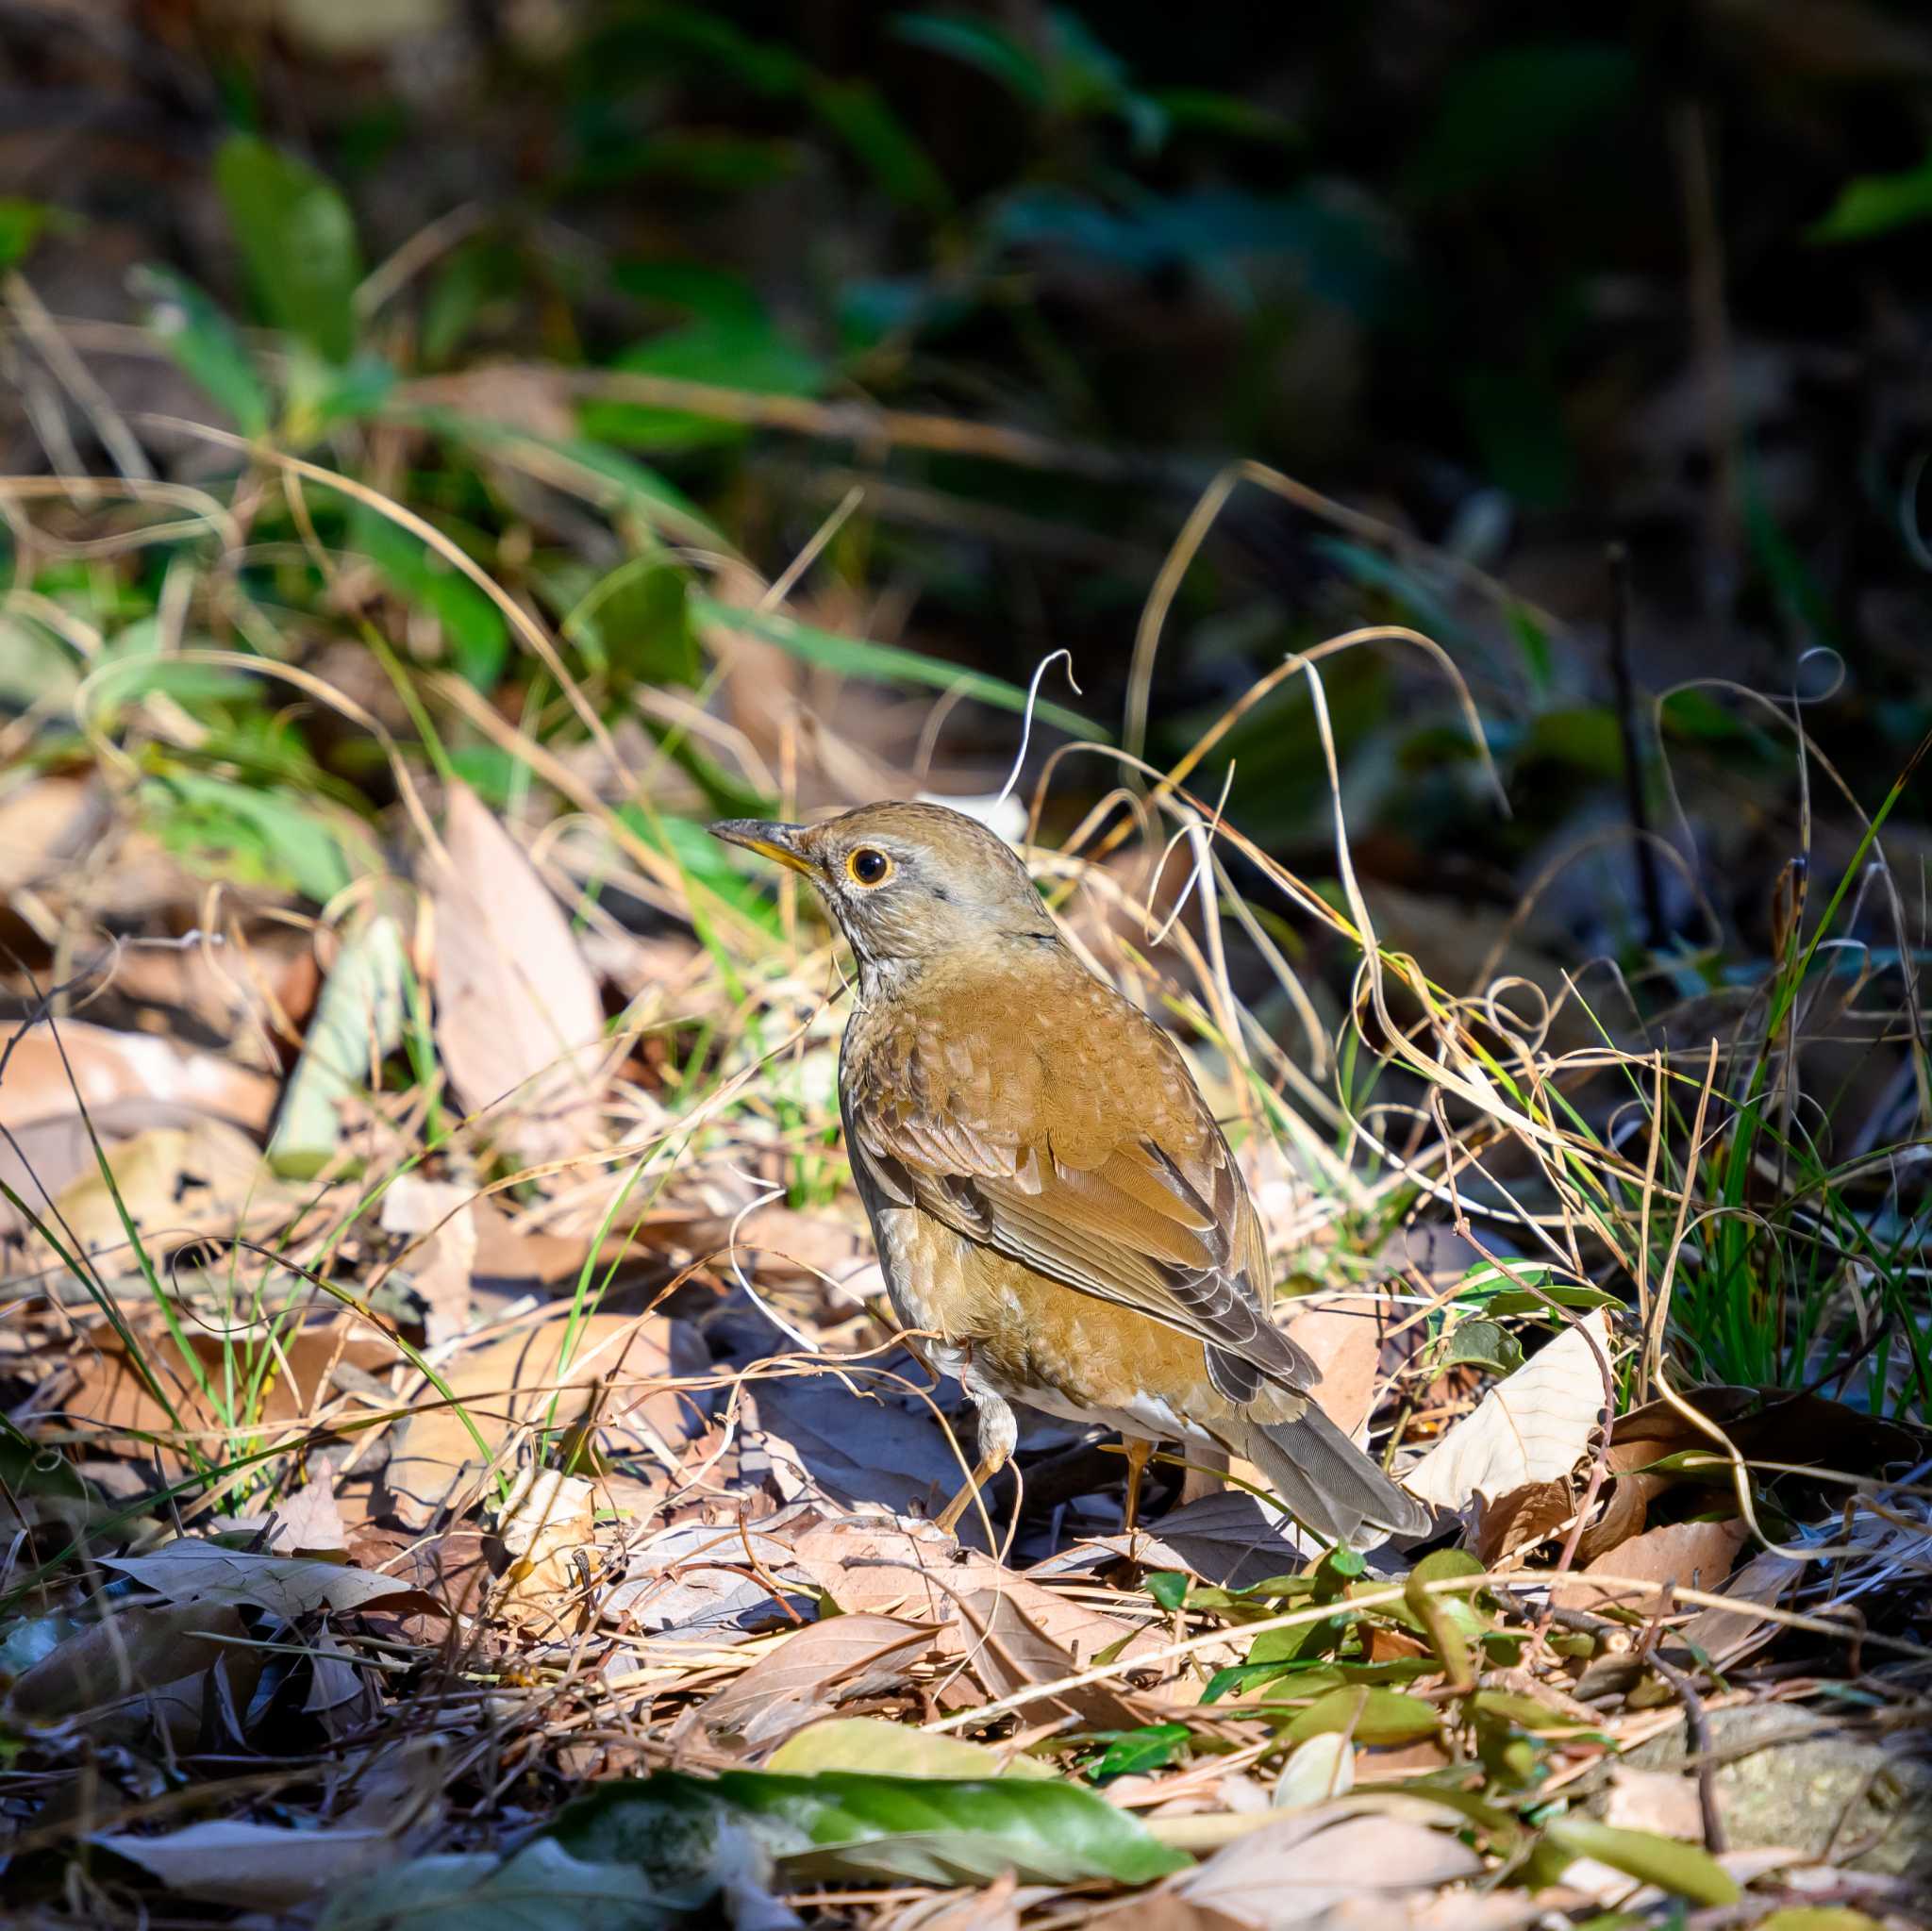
(1327, 1483)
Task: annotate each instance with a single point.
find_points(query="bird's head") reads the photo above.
(906, 883)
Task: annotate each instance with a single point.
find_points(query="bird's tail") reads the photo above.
(1328, 1485)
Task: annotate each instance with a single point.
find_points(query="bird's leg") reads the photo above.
(1139, 1453)
(998, 1431)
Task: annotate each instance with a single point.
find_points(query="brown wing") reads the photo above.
(1058, 1124)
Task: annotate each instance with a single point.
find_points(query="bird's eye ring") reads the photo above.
(868, 865)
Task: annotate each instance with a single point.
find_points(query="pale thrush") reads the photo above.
(1053, 1200)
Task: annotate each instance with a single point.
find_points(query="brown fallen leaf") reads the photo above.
(1011, 1631)
(113, 1396)
(1765, 1425)
(108, 1067)
(518, 1015)
(1727, 1636)
(173, 1183)
(811, 1672)
(1695, 1555)
(995, 1908)
(139, 1646)
(1520, 1519)
(505, 1385)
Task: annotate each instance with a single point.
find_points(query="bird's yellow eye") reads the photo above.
(868, 865)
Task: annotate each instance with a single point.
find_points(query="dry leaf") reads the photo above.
(812, 1671)
(441, 1265)
(147, 1646)
(261, 1866)
(506, 1384)
(1727, 1635)
(1301, 1863)
(202, 1178)
(1534, 1426)
(546, 1518)
(108, 1067)
(1345, 1339)
(114, 1396)
(1664, 1802)
(1520, 1519)
(286, 1586)
(518, 1016)
(1698, 1554)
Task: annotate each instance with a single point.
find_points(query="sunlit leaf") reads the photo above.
(1683, 1870)
(914, 1830)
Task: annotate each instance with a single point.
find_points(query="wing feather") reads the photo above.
(1099, 1166)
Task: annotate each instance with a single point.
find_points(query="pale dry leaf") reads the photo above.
(545, 1519)
(995, 1908)
(308, 1522)
(108, 1067)
(879, 1747)
(261, 1866)
(1663, 1802)
(1534, 1426)
(813, 1670)
(518, 1016)
(204, 1177)
(707, 1578)
(1302, 1863)
(441, 1265)
(1698, 1554)
(290, 1587)
(1318, 1768)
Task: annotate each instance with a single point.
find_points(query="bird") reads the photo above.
(1057, 1213)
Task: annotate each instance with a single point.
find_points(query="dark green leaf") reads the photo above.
(22, 223)
(1136, 1752)
(297, 240)
(1484, 1345)
(477, 635)
(1683, 1870)
(1169, 1587)
(638, 621)
(917, 1830)
(855, 111)
(748, 354)
(1500, 116)
(206, 345)
(994, 52)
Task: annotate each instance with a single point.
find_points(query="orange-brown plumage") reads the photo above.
(1052, 1198)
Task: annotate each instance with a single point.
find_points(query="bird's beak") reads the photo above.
(779, 842)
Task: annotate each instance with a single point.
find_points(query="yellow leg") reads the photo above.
(1139, 1455)
(989, 1465)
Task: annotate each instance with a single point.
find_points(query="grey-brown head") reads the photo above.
(906, 883)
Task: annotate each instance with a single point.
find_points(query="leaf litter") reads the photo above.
(420, 1510)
